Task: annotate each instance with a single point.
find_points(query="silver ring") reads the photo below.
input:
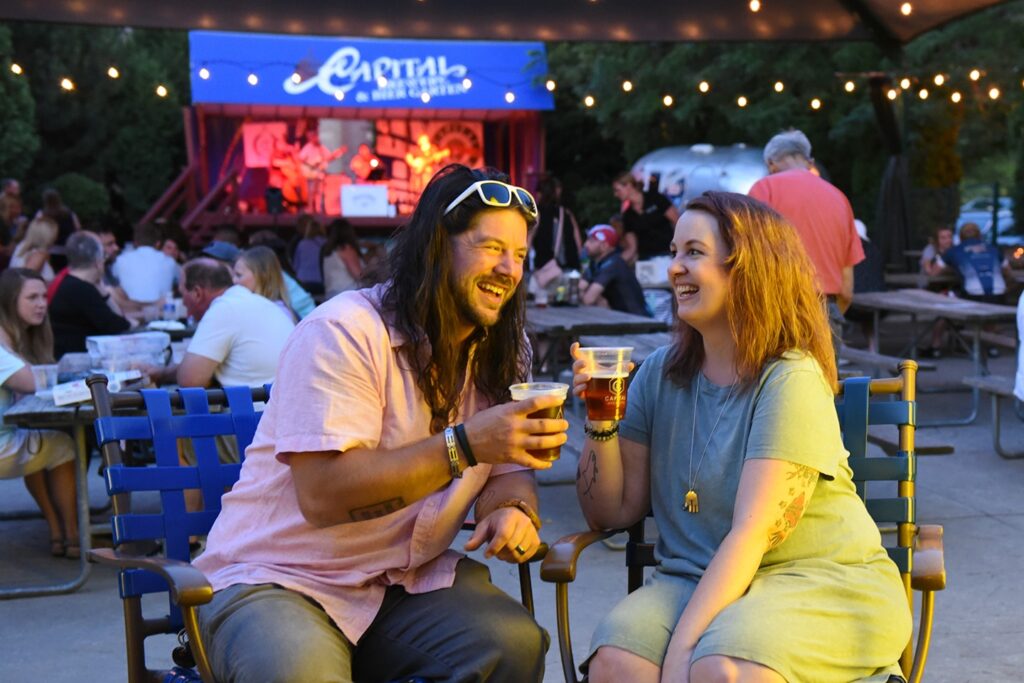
(519, 549)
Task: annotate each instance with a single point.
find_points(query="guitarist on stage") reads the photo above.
(314, 158)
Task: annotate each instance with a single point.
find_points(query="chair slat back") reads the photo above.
(171, 419)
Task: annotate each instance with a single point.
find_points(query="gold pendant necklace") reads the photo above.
(690, 502)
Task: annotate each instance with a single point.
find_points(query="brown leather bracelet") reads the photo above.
(523, 507)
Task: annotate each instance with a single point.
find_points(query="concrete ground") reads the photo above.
(979, 623)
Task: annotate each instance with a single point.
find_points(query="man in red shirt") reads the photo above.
(821, 214)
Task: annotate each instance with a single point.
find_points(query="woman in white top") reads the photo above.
(258, 270)
(45, 458)
(33, 251)
(342, 259)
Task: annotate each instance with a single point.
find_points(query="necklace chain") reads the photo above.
(690, 501)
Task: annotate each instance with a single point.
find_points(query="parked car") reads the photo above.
(979, 211)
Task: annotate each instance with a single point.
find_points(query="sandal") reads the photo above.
(72, 551)
(57, 547)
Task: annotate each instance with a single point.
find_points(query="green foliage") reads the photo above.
(944, 141)
(88, 197)
(111, 130)
(19, 140)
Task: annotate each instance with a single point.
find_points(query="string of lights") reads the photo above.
(923, 86)
(942, 84)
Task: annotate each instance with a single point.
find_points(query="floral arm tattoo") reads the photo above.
(801, 485)
(586, 475)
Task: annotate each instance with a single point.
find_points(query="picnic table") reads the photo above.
(554, 328)
(921, 302)
(39, 412)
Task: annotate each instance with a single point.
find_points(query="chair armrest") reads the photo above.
(560, 564)
(188, 586)
(929, 572)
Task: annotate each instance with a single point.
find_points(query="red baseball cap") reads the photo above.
(604, 233)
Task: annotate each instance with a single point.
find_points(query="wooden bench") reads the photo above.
(997, 339)
(889, 364)
(999, 387)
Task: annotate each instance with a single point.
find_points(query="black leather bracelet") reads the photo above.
(599, 435)
(460, 436)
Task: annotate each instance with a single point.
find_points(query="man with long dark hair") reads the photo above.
(389, 419)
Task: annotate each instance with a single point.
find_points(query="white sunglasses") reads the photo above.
(496, 193)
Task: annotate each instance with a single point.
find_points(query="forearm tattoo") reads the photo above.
(586, 474)
(802, 480)
(377, 510)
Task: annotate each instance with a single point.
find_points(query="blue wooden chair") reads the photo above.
(155, 416)
(916, 549)
(161, 418)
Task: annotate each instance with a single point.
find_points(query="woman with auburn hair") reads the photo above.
(33, 251)
(731, 438)
(45, 458)
(258, 270)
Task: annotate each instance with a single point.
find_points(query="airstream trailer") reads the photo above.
(686, 171)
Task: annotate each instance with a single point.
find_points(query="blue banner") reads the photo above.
(252, 68)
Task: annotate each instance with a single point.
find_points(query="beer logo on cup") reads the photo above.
(617, 385)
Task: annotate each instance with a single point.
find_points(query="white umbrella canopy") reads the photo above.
(888, 22)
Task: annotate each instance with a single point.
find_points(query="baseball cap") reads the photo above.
(222, 251)
(604, 233)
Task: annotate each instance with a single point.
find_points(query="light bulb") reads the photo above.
(382, 81)
(906, 8)
(550, 85)
(204, 73)
(161, 91)
(510, 97)
(466, 83)
(67, 83)
(779, 86)
(113, 72)
(923, 93)
(627, 86)
(850, 86)
(667, 100)
(994, 93)
(704, 86)
(892, 94)
(815, 104)
(16, 69)
(905, 83)
(339, 95)
(755, 5)
(253, 79)
(741, 101)
(939, 79)
(589, 100)
(974, 75)
(425, 97)
(956, 97)
(296, 78)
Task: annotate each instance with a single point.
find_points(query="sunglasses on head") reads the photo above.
(496, 193)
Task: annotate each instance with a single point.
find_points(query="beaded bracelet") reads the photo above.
(460, 436)
(453, 453)
(600, 435)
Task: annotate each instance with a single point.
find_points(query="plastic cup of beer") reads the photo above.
(521, 392)
(608, 367)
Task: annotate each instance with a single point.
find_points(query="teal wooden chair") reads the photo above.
(916, 549)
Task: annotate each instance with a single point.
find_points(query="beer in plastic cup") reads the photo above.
(608, 368)
(521, 392)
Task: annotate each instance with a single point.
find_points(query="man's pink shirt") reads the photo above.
(340, 385)
(822, 216)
